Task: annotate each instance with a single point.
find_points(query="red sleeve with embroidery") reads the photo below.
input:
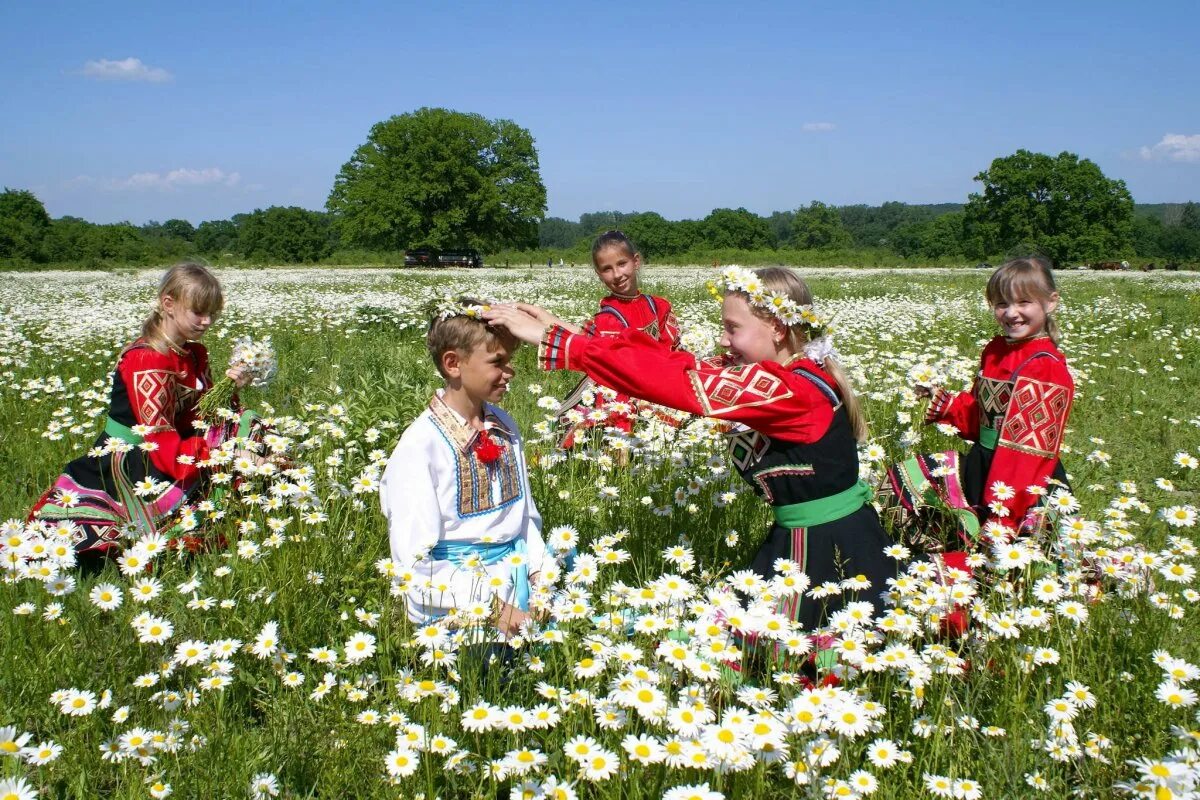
(150, 381)
(960, 410)
(765, 396)
(1031, 435)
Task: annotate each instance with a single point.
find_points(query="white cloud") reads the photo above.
(127, 69)
(1174, 147)
(159, 181)
(818, 127)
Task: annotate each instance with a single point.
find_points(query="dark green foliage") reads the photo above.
(939, 237)
(1146, 231)
(1190, 217)
(558, 232)
(1061, 205)
(216, 237)
(288, 234)
(726, 227)
(23, 225)
(819, 227)
(440, 179)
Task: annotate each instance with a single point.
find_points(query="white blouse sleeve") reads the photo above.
(409, 495)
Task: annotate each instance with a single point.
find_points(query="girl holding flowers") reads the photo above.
(796, 425)
(146, 462)
(1015, 415)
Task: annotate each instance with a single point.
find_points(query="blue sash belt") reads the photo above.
(458, 552)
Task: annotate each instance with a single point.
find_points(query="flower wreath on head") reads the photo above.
(820, 332)
(450, 306)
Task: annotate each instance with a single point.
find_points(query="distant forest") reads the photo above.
(894, 232)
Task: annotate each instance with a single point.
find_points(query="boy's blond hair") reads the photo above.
(465, 334)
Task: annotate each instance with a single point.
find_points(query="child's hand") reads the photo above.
(521, 325)
(546, 318)
(239, 375)
(510, 619)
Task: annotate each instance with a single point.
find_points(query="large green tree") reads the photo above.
(1062, 205)
(439, 178)
(24, 224)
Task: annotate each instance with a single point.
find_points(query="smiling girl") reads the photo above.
(1015, 413)
(145, 464)
(618, 264)
(796, 425)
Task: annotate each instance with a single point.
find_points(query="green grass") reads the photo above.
(1122, 334)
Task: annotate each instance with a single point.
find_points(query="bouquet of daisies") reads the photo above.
(258, 358)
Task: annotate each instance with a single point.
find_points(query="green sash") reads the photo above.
(123, 432)
(988, 437)
(827, 509)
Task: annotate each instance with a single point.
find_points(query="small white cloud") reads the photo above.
(126, 69)
(1174, 147)
(818, 127)
(160, 181)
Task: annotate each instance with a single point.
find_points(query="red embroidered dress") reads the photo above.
(149, 433)
(1015, 413)
(794, 445)
(647, 313)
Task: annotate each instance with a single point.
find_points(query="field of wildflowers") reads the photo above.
(284, 665)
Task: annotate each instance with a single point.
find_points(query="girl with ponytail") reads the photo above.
(145, 466)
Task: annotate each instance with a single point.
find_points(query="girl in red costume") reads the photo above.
(144, 465)
(796, 424)
(617, 263)
(1015, 415)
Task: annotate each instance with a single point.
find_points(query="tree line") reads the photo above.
(441, 179)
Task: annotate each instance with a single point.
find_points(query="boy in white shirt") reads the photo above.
(465, 534)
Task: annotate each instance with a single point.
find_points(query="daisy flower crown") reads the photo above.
(450, 306)
(739, 279)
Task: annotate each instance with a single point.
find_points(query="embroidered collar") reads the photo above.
(462, 435)
(619, 296)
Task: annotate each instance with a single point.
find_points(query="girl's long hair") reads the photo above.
(193, 286)
(788, 283)
(1030, 278)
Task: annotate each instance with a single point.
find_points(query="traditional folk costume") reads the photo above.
(644, 312)
(460, 512)
(792, 442)
(1015, 414)
(151, 433)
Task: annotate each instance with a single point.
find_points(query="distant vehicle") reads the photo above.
(460, 258)
(983, 265)
(421, 257)
(427, 257)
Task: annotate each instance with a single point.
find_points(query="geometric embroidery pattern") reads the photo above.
(993, 396)
(1036, 418)
(736, 387)
(154, 397)
(481, 488)
(764, 477)
(746, 447)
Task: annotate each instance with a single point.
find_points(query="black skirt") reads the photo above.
(833, 551)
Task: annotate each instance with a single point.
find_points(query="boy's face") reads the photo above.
(484, 373)
(617, 269)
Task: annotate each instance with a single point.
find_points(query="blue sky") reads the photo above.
(137, 111)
